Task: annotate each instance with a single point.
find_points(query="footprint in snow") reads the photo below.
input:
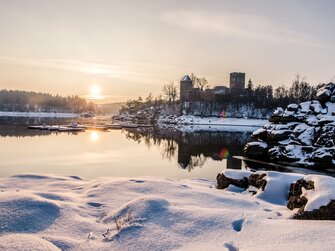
(230, 246)
(237, 225)
(94, 204)
(138, 181)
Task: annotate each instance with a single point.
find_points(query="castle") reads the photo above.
(188, 92)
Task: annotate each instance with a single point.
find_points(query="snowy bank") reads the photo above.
(38, 114)
(41, 212)
(189, 123)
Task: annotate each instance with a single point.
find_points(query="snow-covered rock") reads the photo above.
(302, 134)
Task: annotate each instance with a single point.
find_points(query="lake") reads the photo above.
(131, 152)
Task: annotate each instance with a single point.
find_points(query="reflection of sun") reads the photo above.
(94, 136)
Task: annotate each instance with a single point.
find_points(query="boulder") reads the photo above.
(276, 115)
(295, 200)
(326, 212)
(256, 180)
(323, 95)
(278, 135)
(321, 156)
(292, 107)
(275, 154)
(260, 134)
(256, 149)
(224, 181)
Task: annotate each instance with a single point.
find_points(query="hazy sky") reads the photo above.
(131, 48)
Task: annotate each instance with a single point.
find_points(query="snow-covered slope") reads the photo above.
(40, 212)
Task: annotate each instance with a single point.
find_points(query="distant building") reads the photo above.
(237, 81)
(220, 90)
(189, 93)
(186, 88)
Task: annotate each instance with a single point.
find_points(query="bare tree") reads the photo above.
(198, 82)
(170, 91)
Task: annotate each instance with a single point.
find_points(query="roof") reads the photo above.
(186, 78)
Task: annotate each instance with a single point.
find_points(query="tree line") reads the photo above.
(260, 96)
(24, 101)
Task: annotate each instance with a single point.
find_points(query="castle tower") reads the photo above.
(186, 86)
(237, 80)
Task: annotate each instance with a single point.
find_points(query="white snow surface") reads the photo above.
(190, 123)
(38, 114)
(45, 212)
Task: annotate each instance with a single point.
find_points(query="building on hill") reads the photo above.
(186, 88)
(237, 81)
(190, 93)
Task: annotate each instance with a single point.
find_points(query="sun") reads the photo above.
(95, 91)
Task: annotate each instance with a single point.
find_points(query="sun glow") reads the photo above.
(94, 136)
(95, 92)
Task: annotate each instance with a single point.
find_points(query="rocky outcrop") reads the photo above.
(301, 135)
(295, 198)
(256, 180)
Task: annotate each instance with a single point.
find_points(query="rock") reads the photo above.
(275, 154)
(292, 107)
(255, 149)
(223, 182)
(287, 118)
(304, 107)
(321, 156)
(276, 115)
(316, 107)
(256, 180)
(278, 135)
(323, 213)
(330, 86)
(307, 136)
(295, 200)
(323, 95)
(260, 134)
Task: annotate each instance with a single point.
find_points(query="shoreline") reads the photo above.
(38, 114)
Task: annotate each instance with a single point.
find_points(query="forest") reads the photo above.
(24, 101)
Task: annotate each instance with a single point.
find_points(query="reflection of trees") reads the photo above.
(169, 149)
(196, 161)
(192, 149)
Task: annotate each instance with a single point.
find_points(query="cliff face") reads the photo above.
(301, 135)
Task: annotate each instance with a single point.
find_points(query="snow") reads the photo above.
(195, 120)
(189, 123)
(38, 114)
(45, 212)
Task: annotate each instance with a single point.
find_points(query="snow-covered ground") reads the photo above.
(190, 123)
(38, 114)
(44, 212)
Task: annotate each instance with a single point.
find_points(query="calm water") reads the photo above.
(146, 152)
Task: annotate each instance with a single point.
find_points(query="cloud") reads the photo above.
(145, 73)
(244, 26)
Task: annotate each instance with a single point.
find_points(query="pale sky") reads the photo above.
(131, 48)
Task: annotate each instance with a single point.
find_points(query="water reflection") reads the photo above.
(131, 152)
(193, 149)
(94, 136)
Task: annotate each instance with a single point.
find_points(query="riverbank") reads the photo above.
(38, 114)
(45, 212)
